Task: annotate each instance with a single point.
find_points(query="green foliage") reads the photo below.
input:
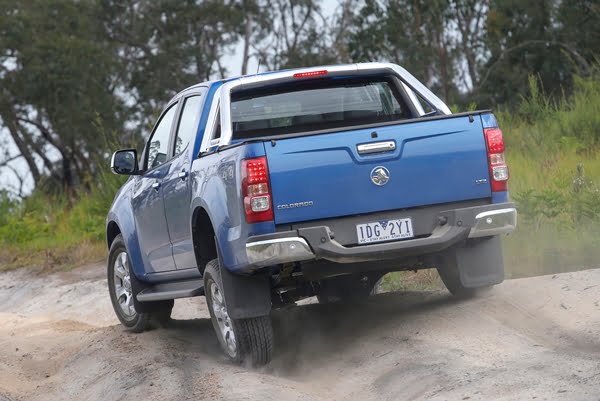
(520, 37)
(552, 150)
(8, 207)
(57, 76)
(481, 50)
(51, 230)
(166, 46)
(578, 26)
(409, 33)
(571, 124)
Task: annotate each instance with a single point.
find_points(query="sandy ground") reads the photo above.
(529, 339)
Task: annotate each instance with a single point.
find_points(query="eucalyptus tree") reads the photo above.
(413, 33)
(57, 88)
(165, 46)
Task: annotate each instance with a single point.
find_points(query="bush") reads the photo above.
(53, 230)
(552, 150)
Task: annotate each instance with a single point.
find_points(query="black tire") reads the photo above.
(450, 275)
(135, 320)
(253, 337)
(351, 288)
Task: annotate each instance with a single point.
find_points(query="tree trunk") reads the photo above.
(14, 131)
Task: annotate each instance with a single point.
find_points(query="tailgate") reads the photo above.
(324, 176)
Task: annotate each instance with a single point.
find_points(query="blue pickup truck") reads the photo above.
(262, 190)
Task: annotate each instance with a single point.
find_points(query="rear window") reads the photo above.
(315, 105)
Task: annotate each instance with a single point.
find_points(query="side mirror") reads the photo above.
(124, 162)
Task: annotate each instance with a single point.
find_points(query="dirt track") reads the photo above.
(536, 338)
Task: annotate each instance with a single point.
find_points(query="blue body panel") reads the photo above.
(436, 161)
(500, 197)
(488, 120)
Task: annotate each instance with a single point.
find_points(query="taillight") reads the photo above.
(496, 162)
(256, 190)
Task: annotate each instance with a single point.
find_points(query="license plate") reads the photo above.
(385, 230)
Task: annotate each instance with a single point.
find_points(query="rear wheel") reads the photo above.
(121, 285)
(246, 341)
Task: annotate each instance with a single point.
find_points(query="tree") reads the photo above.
(165, 46)
(522, 41)
(296, 36)
(57, 80)
(579, 28)
(468, 18)
(413, 33)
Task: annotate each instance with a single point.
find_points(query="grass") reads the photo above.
(558, 214)
(552, 151)
(555, 169)
(421, 280)
(56, 231)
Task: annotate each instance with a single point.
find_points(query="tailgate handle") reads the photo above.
(376, 147)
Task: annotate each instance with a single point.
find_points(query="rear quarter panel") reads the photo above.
(216, 188)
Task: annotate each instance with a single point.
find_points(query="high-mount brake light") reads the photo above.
(310, 74)
(496, 162)
(256, 190)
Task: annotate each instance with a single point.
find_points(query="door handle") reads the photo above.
(376, 147)
(183, 174)
(156, 185)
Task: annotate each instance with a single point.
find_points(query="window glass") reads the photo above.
(218, 128)
(159, 144)
(311, 106)
(426, 107)
(188, 123)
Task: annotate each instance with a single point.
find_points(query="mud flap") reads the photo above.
(246, 296)
(480, 262)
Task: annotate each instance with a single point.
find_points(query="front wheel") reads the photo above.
(245, 341)
(121, 284)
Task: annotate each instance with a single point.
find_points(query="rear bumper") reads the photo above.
(318, 243)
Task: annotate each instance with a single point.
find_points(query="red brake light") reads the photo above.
(495, 142)
(310, 74)
(256, 190)
(497, 165)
